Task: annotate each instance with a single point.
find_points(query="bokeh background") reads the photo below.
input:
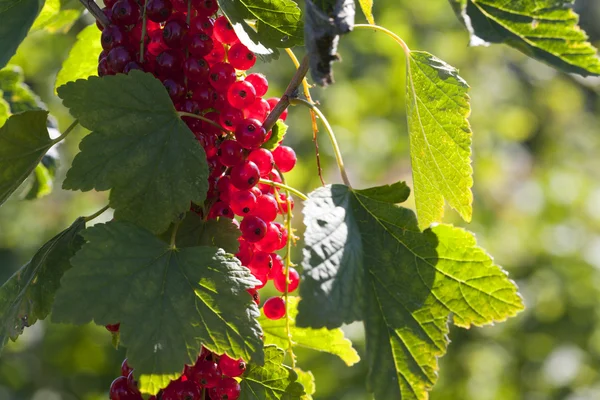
(536, 148)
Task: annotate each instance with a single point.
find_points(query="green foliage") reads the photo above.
(307, 379)
(367, 9)
(54, 17)
(329, 341)
(546, 30)
(16, 93)
(271, 381)
(440, 138)
(277, 134)
(42, 182)
(410, 281)
(23, 142)
(139, 148)
(83, 60)
(17, 17)
(28, 295)
(168, 301)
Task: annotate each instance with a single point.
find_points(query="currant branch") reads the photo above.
(96, 214)
(66, 132)
(96, 12)
(284, 187)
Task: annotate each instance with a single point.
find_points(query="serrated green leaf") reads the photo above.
(194, 231)
(82, 61)
(440, 138)
(139, 148)
(412, 284)
(546, 30)
(307, 379)
(28, 295)
(17, 17)
(367, 9)
(53, 18)
(277, 134)
(23, 142)
(169, 302)
(395, 193)
(271, 381)
(325, 340)
(14, 91)
(278, 22)
(42, 182)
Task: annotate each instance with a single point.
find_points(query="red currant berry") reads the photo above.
(273, 102)
(200, 44)
(263, 160)
(220, 209)
(174, 32)
(113, 328)
(223, 31)
(231, 153)
(258, 110)
(284, 235)
(132, 383)
(221, 76)
(201, 24)
(206, 7)
(272, 241)
(245, 252)
(103, 69)
(182, 390)
(274, 308)
(261, 263)
(260, 83)
(159, 10)
(253, 228)
(125, 368)
(117, 59)
(231, 367)
(169, 63)
(175, 89)
(242, 202)
(244, 175)
(132, 65)
(119, 390)
(255, 295)
(283, 204)
(195, 69)
(180, 6)
(250, 133)
(240, 57)
(125, 12)
(113, 36)
(217, 54)
(202, 93)
(230, 117)
(285, 158)
(279, 280)
(206, 373)
(266, 208)
(156, 45)
(241, 94)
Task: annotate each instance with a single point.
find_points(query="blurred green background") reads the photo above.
(536, 148)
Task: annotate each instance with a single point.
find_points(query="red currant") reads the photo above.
(125, 368)
(182, 390)
(285, 158)
(220, 209)
(260, 83)
(201, 24)
(119, 390)
(261, 263)
(125, 12)
(242, 202)
(200, 44)
(221, 76)
(217, 54)
(231, 153)
(244, 175)
(240, 57)
(158, 10)
(113, 36)
(112, 328)
(273, 102)
(263, 160)
(223, 31)
(169, 63)
(241, 94)
(250, 133)
(258, 110)
(206, 7)
(195, 69)
(279, 280)
(266, 208)
(253, 228)
(206, 373)
(274, 308)
(255, 295)
(245, 252)
(174, 32)
(231, 367)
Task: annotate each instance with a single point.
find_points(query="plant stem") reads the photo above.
(174, 235)
(143, 39)
(284, 102)
(200, 117)
(96, 214)
(66, 132)
(334, 143)
(391, 34)
(96, 12)
(284, 187)
(313, 116)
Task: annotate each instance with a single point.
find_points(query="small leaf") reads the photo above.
(169, 302)
(23, 142)
(139, 148)
(19, 96)
(42, 182)
(440, 138)
(367, 9)
(272, 381)
(277, 134)
(307, 379)
(54, 19)
(17, 17)
(28, 295)
(545, 30)
(82, 61)
(410, 285)
(325, 340)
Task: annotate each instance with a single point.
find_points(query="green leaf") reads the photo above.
(28, 295)
(82, 61)
(323, 339)
(278, 22)
(307, 379)
(194, 231)
(4, 110)
(14, 91)
(168, 301)
(440, 138)
(272, 381)
(395, 193)
(367, 9)
(546, 30)
(411, 285)
(277, 134)
(139, 148)
(23, 142)
(42, 182)
(54, 19)
(17, 17)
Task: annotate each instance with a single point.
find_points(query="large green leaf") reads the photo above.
(28, 295)
(139, 148)
(411, 284)
(23, 142)
(544, 29)
(82, 61)
(278, 22)
(54, 18)
(329, 341)
(271, 381)
(440, 138)
(168, 301)
(17, 17)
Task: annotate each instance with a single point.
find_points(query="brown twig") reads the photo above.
(284, 102)
(96, 12)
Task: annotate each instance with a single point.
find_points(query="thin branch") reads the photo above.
(96, 12)
(284, 102)
(96, 214)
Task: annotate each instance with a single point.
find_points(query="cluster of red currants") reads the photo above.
(201, 62)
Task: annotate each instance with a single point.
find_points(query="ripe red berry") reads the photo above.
(182, 390)
(169, 63)
(125, 368)
(206, 373)
(258, 110)
(253, 228)
(260, 83)
(113, 36)
(159, 10)
(241, 94)
(120, 390)
(230, 117)
(103, 69)
(131, 65)
(221, 76)
(125, 12)
(117, 59)
(283, 203)
(175, 89)
(266, 208)
(244, 175)
(217, 54)
(200, 44)
(279, 280)
(220, 209)
(255, 295)
(250, 133)
(274, 308)
(231, 153)
(263, 160)
(242, 202)
(231, 367)
(201, 24)
(240, 57)
(113, 328)
(223, 31)
(174, 32)
(156, 45)
(261, 263)
(285, 158)
(245, 252)
(195, 69)
(272, 241)
(205, 7)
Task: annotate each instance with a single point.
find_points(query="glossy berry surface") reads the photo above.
(279, 280)
(174, 32)
(221, 76)
(227, 389)
(231, 367)
(241, 94)
(260, 83)
(240, 57)
(253, 228)
(250, 133)
(285, 158)
(223, 31)
(125, 12)
(182, 390)
(206, 373)
(120, 390)
(244, 175)
(242, 202)
(159, 10)
(274, 308)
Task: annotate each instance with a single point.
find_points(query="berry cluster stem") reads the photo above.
(66, 132)
(200, 117)
(96, 12)
(143, 39)
(285, 187)
(96, 214)
(389, 33)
